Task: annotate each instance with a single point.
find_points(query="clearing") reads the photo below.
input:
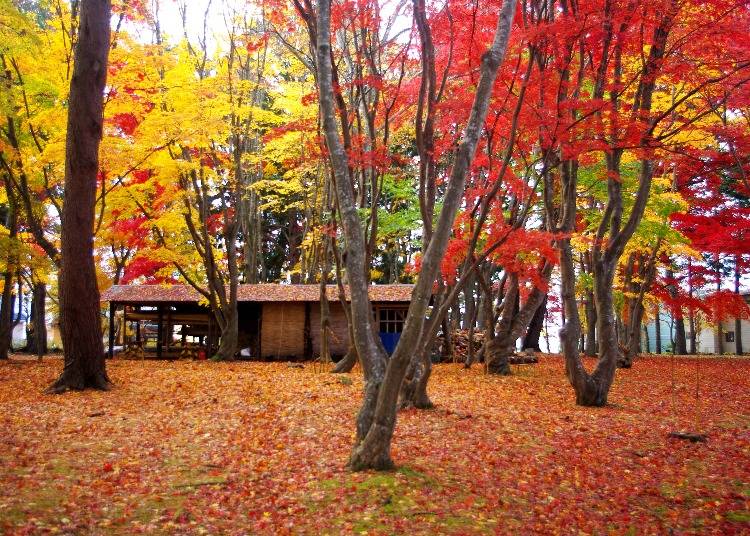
(202, 447)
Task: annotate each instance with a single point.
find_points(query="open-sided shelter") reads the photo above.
(276, 321)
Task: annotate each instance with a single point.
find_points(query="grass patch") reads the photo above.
(738, 516)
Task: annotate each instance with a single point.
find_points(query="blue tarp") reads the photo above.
(390, 340)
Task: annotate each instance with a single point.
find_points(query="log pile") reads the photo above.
(133, 351)
(460, 346)
(460, 343)
(527, 357)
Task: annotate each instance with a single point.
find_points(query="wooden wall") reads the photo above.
(338, 339)
(283, 330)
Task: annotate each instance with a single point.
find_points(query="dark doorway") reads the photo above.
(250, 317)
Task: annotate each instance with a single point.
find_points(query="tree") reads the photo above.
(377, 417)
(80, 325)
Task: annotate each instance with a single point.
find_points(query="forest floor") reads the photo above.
(237, 448)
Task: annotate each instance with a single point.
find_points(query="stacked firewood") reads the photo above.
(132, 351)
(189, 351)
(459, 344)
(527, 357)
(460, 347)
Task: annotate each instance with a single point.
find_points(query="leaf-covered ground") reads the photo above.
(207, 448)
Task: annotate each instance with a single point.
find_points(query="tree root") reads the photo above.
(77, 382)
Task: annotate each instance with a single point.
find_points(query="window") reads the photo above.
(391, 320)
(729, 336)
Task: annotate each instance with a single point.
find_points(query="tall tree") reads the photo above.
(377, 416)
(80, 325)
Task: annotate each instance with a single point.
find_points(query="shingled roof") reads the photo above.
(265, 292)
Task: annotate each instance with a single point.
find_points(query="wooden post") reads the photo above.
(160, 332)
(138, 333)
(169, 330)
(111, 351)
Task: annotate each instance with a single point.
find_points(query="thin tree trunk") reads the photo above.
(325, 310)
(719, 327)
(657, 329)
(737, 320)
(372, 451)
(37, 335)
(80, 325)
(680, 339)
(589, 347)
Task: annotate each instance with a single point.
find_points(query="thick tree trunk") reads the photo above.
(6, 315)
(8, 303)
(680, 337)
(229, 341)
(346, 364)
(413, 393)
(376, 455)
(534, 333)
(487, 318)
(632, 337)
(590, 389)
(514, 321)
(497, 352)
(80, 325)
(229, 337)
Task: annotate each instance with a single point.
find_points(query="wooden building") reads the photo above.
(276, 321)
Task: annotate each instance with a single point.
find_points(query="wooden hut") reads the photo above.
(276, 321)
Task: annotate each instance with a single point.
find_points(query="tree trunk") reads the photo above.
(325, 310)
(657, 329)
(80, 325)
(6, 315)
(229, 337)
(377, 455)
(8, 303)
(534, 333)
(496, 353)
(589, 347)
(590, 389)
(372, 451)
(680, 339)
(470, 305)
(719, 328)
(346, 364)
(514, 321)
(37, 335)
(632, 337)
(228, 344)
(737, 320)
(413, 393)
